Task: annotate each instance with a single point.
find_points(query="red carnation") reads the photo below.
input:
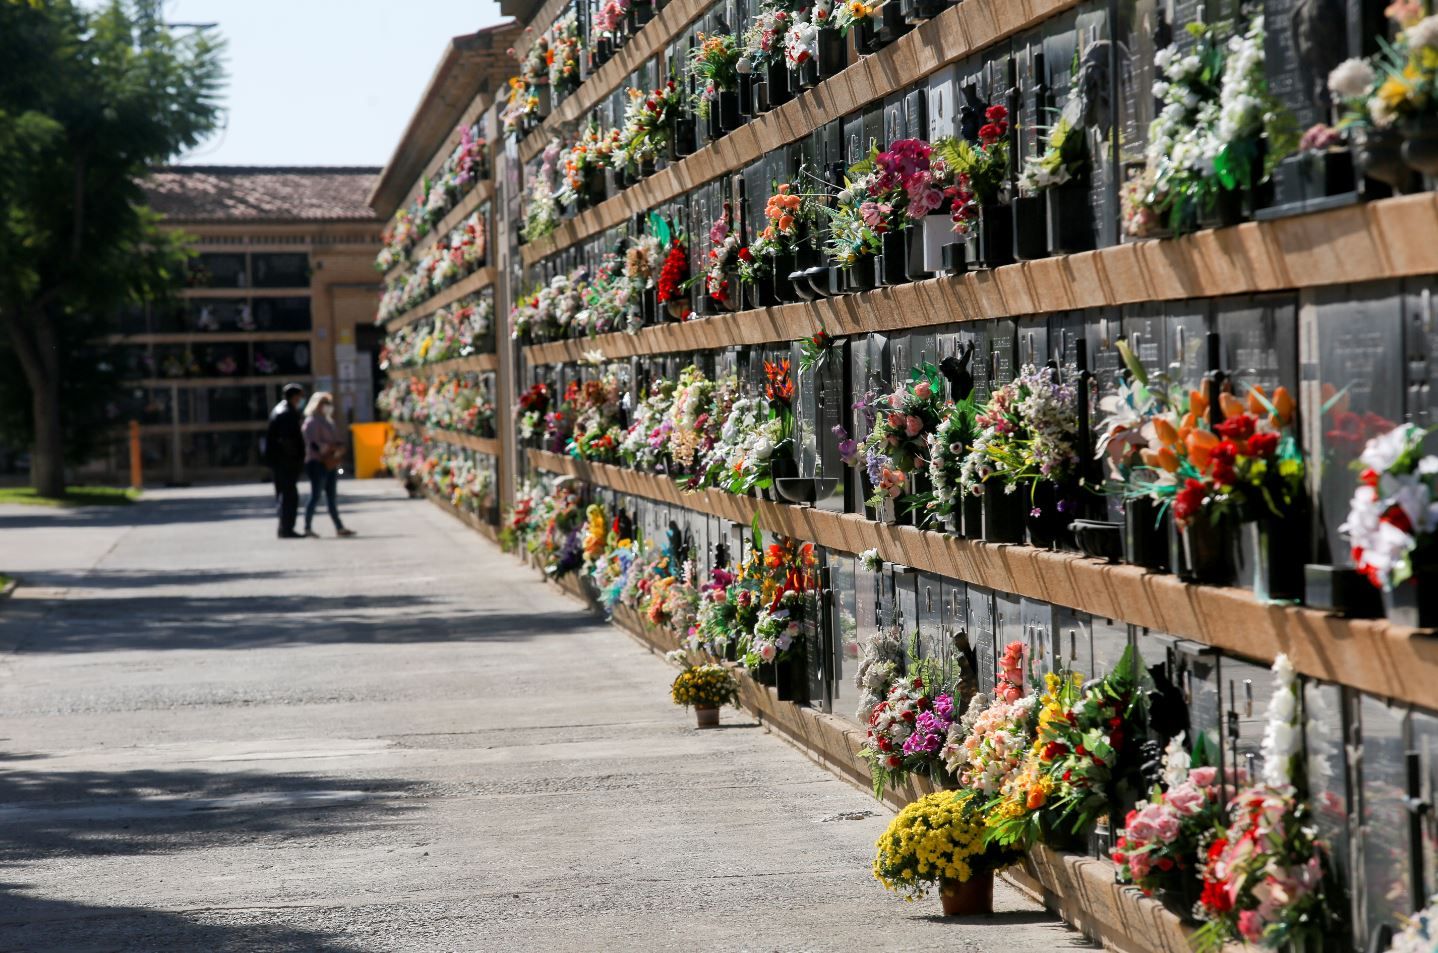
(1263, 444)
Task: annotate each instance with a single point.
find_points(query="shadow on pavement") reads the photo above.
(85, 814)
(51, 814)
(247, 622)
(41, 925)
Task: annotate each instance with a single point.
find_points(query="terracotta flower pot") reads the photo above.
(969, 897)
(707, 717)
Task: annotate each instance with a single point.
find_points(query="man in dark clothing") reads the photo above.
(285, 455)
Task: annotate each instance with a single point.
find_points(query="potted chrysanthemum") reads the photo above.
(941, 839)
(705, 688)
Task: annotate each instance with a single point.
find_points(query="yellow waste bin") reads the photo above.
(369, 441)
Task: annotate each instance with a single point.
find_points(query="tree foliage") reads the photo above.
(89, 101)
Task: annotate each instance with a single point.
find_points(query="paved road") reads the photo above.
(213, 740)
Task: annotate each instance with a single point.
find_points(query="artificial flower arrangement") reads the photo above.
(949, 445)
(446, 471)
(764, 40)
(786, 213)
(882, 193)
(1246, 467)
(1395, 86)
(645, 444)
(594, 408)
(987, 746)
(648, 119)
(1028, 440)
(1392, 517)
(1164, 836)
(562, 55)
(1420, 932)
(713, 65)
(674, 278)
(907, 730)
(448, 259)
(898, 444)
(705, 686)
(541, 199)
(521, 107)
(1219, 130)
(1263, 874)
(787, 581)
(1065, 155)
(801, 39)
(727, 257)
(979, 169)
(939, 839)
(851, 14)
(458, 330)
(585, 162)
(531, 407)
(438, 194)
(460, 402)
(1085, 750)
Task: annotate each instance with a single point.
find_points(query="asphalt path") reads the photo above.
(213, 740)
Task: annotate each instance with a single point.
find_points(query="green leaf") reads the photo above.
(756, 536)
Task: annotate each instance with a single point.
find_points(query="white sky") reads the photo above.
(324, 82)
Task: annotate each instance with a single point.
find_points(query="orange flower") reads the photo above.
(1200, 445)
(1283, 404)
(1231, 405)
(1164, 431)
(786, 222)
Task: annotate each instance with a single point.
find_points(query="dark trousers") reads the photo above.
(287, 498)
(322, 480)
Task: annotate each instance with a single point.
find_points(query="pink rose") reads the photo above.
(1167, 827)
(913, 426)
(923, 390)
(896, 421)
(1203, 777)
(1139, 865)
(1187, 799)
(1142, 827)
(1250, 924)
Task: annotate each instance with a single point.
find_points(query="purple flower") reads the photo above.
(875, 464)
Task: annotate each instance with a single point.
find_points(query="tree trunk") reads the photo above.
(34, 342)
(47, 458)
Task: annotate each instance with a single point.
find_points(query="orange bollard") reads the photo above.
(136, 476)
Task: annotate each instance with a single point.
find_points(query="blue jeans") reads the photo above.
(322, 480)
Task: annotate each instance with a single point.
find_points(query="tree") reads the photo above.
(90, 100)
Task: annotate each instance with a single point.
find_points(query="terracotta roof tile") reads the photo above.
(211, 193)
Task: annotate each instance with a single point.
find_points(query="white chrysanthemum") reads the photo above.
(1424, 33)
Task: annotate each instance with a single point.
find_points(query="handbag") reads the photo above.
(333, 456)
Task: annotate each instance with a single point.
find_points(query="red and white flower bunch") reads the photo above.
(1394, 510)
(1164, 836)
(1263, 875)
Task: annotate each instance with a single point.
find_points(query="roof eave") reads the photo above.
(463, 73)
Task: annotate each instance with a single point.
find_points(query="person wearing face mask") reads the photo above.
(324, 453)
(285, 456)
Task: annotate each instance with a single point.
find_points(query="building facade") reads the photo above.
(281, 289)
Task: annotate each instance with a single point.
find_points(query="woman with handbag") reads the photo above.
(324, 452)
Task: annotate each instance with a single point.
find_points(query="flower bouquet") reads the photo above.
(941, 839)
(1263, 875)
(1083, 757)
(1164, 837)
(1391, 523)
(906, 732)
(1029, 444)
(761, 64)
(723, 272)
(979, 216)
(896, 451)
(647, 129)
(707, 688)
(1217, 136)
(1058, 177)
(713, 64)
(773, 252)
(986, 748)
(673, 279)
